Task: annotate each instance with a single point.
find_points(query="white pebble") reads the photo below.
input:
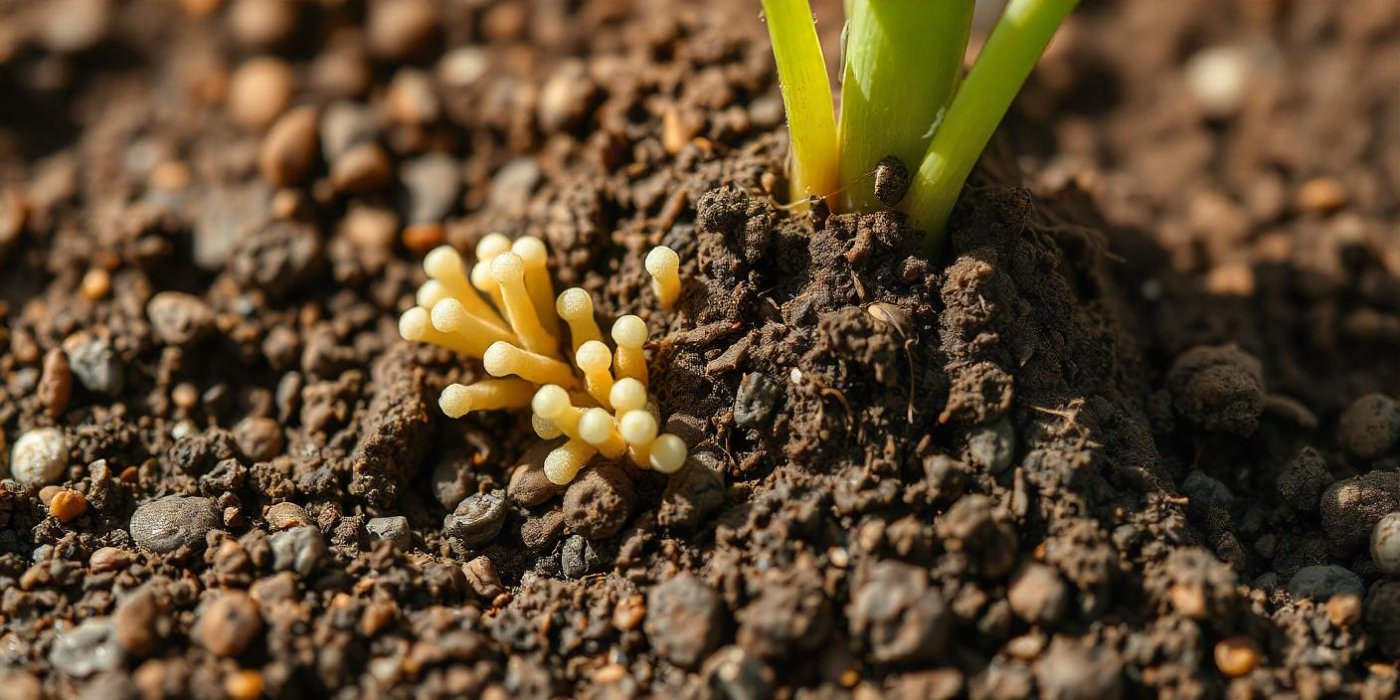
(39, 457)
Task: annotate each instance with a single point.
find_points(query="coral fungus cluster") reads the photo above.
(502, 311)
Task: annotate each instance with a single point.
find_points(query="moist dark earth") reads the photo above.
(1134, 434)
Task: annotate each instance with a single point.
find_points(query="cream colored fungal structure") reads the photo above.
(502, 310)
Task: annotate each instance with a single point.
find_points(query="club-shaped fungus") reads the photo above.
(503, 311)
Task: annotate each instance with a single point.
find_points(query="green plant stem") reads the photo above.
(903, 60)
(806, 92)
(1008, 57)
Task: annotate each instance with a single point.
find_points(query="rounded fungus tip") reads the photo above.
(448, 315)
(668, 454)
(491, 245)
(544, 428)
(573, 304)
(637, 427)
(593, 356)
(414, 323)
(430, 293)
(595, 426)
(455, 401)
(662, 260)
(442, 261)
(531, 250)
(630, 332)
(628, 394)
(499, 359)
(550, 402)
(507, 268)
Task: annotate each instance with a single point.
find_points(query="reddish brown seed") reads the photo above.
(67, 505)
(1236, 656)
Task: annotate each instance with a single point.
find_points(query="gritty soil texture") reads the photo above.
(1135, 434)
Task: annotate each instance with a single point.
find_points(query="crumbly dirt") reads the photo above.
(1135, 435)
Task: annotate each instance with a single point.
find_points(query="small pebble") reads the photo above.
(1073, 671)
(566, 97)
(1350, 508)
(755, 400)
(39, 457)
(483, 579)
(259, 438)
(140, 621)
(477, 519)
(898, 616)
(345, 125)
(89, 648)
(598, 502)
(540, 532)
(67, 505)
(393, 529)
(285, 516)
(1322, 195)
(109, 559)
(1344, 610)
(95, 363)
(1370, 427)
(259, 91)
(737, 674)
(1236, 657)
(412, 100)
(891, 181)
(1208, 491)
(685, 620)
(529, 486)
(178, 318)
(361, 170)
(228, 624)
(1220, 388)
(55, 383)
(578, 558)
(291, 147)
(262, 24)
(452, 479)
(244, 685)
(96, 284)
(1383, 617)
(171, 522)
(300, 549)
(692, 493)
(401, 29)
(433, 183)
(1218, 77)
(993, 446)
(1038, 595)
(1322, 581)
(1385, 544)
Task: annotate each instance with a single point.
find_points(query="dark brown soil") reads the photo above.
(1135, 436)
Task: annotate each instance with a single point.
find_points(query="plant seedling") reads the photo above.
(903, 95)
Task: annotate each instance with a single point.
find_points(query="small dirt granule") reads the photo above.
(401, 29)
(1344, 609)
(67, 505)
(259, 438)
(1071, 670)
(89, 648)
(259, 91)
(55, 383)
(228, 624)
(1350, 508)
(598, 502)
(578, 558)
(141, 622)
(1236, 656)
(692, 493)
(285, 516)
(1385, 544)
(975, 525)
(1304, 479)
(244, 685)
(1383, 617)
(477, 519)
(540, 532)
(566, 97)
(300, 549)
(262, 24)
(421, 238)
(1037, 594)
(290, 149)
(1220, 388)
(178, 318)
(685, 619)
(733, 672)
(898, 617)
(168, 523)
(891, 180)
(276, 257)
(1370, 426)
(39, 457)
(754, 403)
(529, 486)
(432, 183)
(109, 559)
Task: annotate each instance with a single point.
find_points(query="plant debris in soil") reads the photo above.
(1136, 435)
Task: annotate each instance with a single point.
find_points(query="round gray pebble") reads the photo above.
(393, 529)
(578, 558)
(1323, 581)
(87, 649)
(39, 457)
(1385, 544)
(477, 519)
(300, 549)
(168, 523)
